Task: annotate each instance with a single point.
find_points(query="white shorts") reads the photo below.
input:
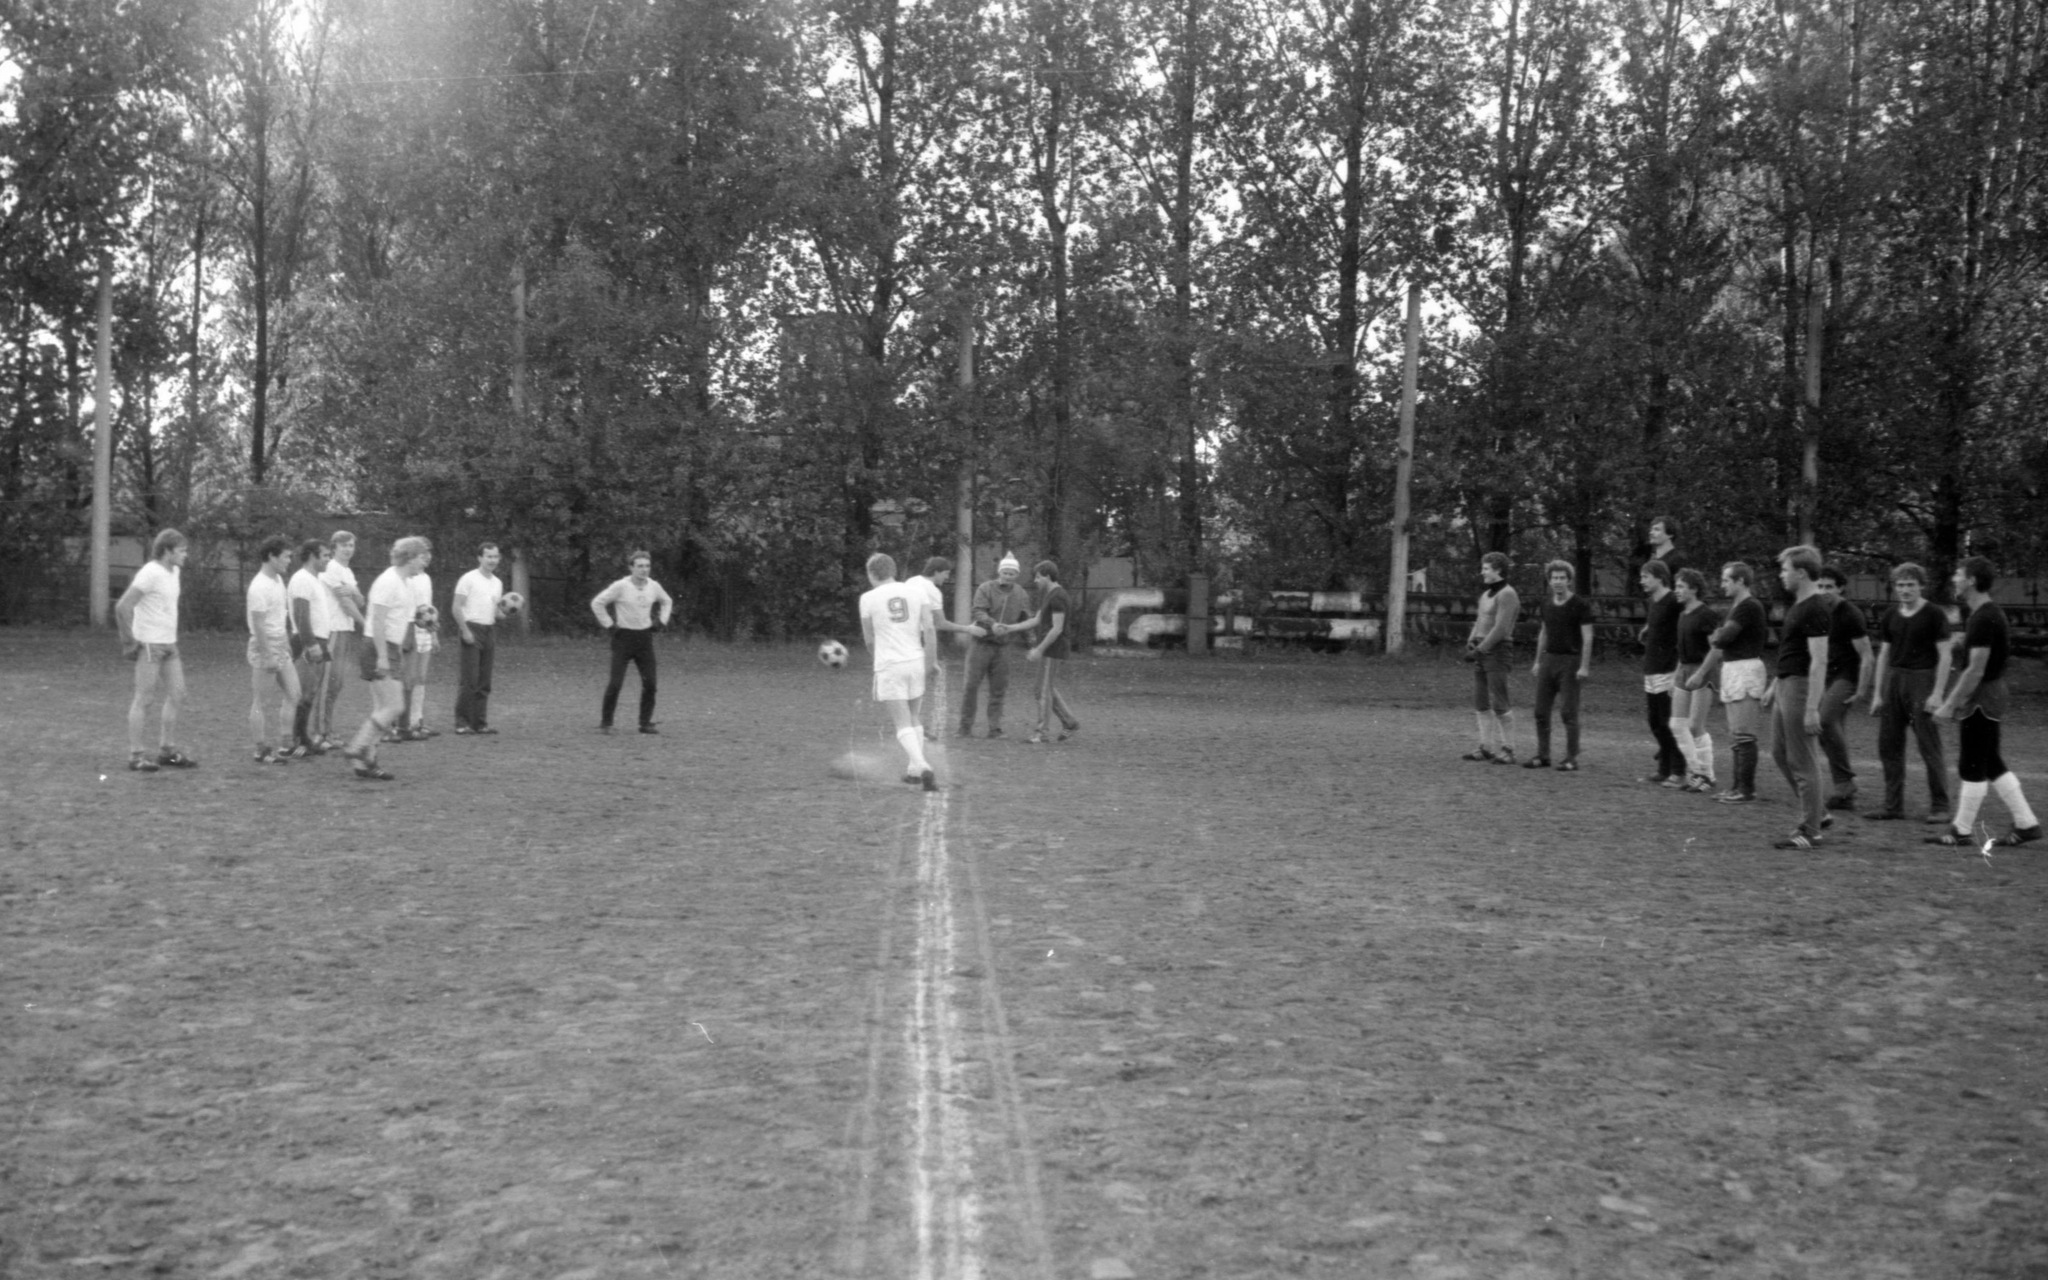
(1664, 683)
(1743, 678)
(899, 681)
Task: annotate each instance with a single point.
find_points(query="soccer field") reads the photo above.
(1252, 978)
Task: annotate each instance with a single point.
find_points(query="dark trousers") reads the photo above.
(472, 703)
(1557, 685)
(1670, 760)
(1834, 738)
(1793, 750)
(989, 662)
(635, 648)
(1905, 703)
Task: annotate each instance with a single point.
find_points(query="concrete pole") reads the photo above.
(103, 449)
(1404, 470)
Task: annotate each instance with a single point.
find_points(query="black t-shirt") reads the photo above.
(1660, 635)
(1845, 628)
(1803, 621)
(1695, 634)
(1055, 606)
(1915, 639)
(1987, 629)
(1561, 623)
(1744, 632)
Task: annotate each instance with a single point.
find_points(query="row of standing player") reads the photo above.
(1691, 653)
(303, 635)
(900, 622)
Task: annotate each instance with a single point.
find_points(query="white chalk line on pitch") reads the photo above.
(945, 1207)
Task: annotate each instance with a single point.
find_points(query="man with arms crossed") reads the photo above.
(641, 606)
(147, 614)
(1794, 694)
(1490, 649)
(1564, 661)
(1981, 699)
(379, 656)
(312, 628)
(1912, 667)
(1050, 652)
(1849, 674)
(477, 594)
(344, 626)
(269, 614)
(896, 623)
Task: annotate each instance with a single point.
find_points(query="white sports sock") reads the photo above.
(1968, 799)
(2007, 785)
(1706, 746)
(1504, 724)
(1487, 728)
(912, 738)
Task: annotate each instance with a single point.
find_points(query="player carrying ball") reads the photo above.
(896, 623)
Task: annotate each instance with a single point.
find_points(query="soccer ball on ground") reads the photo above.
(510, 603)
(832, 654)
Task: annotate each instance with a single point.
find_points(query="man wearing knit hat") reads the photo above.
(1002, 609)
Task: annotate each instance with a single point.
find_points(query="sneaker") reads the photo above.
(1883, 815)
(1506, 755)
(1655, 780)
(1842, 802)
(1674, 783)
(1699, 784)
(140, 763)
(1036, 739)
(1737, 797)
(605, 729)
(649, 728)
(994, 732)
(1478, 755)
(1536, 762)
(483, 731)
(928, 780)
(300, 750)
(1567, 766)
(1939, 818)
(367, 771)
(271, 755)
(1951, 839)
(172, 758)
(2019, 836)
(462, 731)
(1798, 840)
(1070, 731)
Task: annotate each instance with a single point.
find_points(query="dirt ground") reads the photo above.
(1253, 977)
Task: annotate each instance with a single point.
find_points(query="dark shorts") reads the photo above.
(1490, 679)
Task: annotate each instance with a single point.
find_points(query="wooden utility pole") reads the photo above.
(963, 510)
(103, 447)
(1404, 471)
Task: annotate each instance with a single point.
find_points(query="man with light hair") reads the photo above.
(1735, 656)
(896, 623)
(632, 610)
(1002, 609)
(147, 615)
(312, 629)
(938, 571)
(420, 643)
(381, 654)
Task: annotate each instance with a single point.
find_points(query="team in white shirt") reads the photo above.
(896, 620)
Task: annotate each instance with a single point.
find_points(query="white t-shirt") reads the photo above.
(339, 579)
(269, 608)
(391, 593)
(319, 600)
(897, 612)
(155, 620)
(634, 603)
(477, 594)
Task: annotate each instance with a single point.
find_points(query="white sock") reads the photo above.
(2007, 785)
(1504, 725)
(1968, 799)
(912, 738)
(1705, 742)
(1488, 726)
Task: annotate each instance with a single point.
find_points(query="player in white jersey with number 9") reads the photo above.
(896, 622)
